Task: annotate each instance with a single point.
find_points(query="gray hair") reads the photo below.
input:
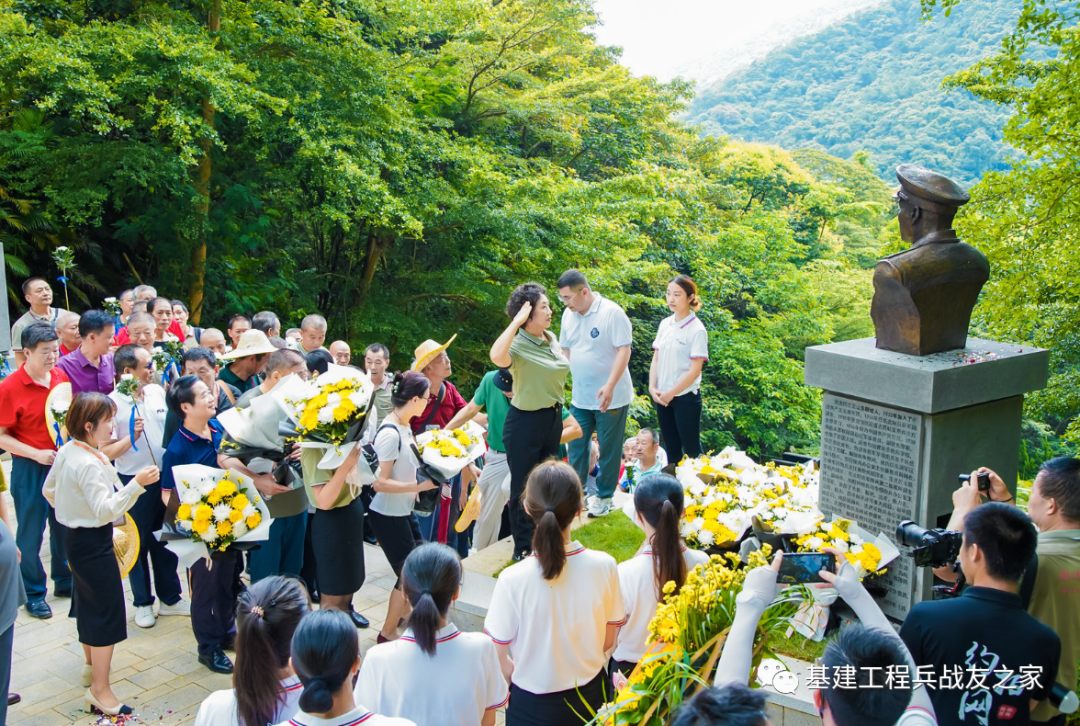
(316, 321)
(140, 289)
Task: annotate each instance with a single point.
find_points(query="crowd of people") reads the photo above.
(564, 622)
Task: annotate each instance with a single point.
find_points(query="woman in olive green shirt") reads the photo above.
(533, 424)
(337, 529)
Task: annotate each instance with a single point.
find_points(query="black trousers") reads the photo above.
(680, 426)
(149, 514)
(562, 708)
(530, 437)
(213, 602)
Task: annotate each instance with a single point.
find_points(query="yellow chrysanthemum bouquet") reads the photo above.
(868, 555)
(331, 408)
(451, 451)
(686, 638)
(218, 508)
(728, 493)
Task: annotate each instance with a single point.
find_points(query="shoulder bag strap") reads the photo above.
(435, 408)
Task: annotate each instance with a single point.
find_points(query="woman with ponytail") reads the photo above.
(390, 514)
(265, 689)
(463, 681)
(558, 610)
(326, 657)
(680, 350)
(664, 558)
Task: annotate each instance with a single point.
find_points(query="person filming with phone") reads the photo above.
(1048, 586)
(864, 650)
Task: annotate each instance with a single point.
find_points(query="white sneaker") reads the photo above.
(599, 507)
(180, 607)
(144, 616)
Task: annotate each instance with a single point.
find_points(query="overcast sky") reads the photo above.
(700, 38)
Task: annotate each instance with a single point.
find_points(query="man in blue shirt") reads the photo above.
(213, 603)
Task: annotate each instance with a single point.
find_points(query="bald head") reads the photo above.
(341, 352)
(213, 339)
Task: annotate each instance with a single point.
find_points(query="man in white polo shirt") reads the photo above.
(596, 337)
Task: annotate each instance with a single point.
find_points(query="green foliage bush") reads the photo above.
(400, 168)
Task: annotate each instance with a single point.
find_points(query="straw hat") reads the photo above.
(125, 542)
(428, 351)
(61, 394)
(253, 342)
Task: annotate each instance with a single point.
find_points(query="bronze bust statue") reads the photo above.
(923, 296)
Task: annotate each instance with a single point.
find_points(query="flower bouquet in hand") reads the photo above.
(868, 555)
(167, 357)
(328, 412)
(448, 452)
(218, 509)
(112, 306)
(129, 386)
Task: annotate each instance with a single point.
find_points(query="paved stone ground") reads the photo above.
(155, 671)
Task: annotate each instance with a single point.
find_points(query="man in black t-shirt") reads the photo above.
(984, 659)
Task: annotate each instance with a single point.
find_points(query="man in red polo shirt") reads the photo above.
(24, 434)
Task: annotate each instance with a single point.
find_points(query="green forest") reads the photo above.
(873, 82)
(401, 167)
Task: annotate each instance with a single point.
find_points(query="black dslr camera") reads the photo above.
(930, 547)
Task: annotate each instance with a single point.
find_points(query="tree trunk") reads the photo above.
(202, 186)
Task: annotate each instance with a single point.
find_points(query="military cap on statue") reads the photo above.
(926, 189)
(923, 296)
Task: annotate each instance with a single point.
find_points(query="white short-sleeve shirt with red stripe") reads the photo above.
(556, 628)
(676, 344)
(219, 708)
(462, 680)
(355, 717)
(637, 580)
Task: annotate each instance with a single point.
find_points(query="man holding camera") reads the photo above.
(1050, 587)
(986, 660)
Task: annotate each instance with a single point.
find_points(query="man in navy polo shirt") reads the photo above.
(984, 659)
(213, 604)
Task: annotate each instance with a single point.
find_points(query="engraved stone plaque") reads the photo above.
(870, 464)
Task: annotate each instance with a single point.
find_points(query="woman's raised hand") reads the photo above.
(523, 315)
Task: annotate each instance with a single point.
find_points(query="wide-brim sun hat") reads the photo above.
(126, 544)
(428, 351)
(60, 394)
(252, 342)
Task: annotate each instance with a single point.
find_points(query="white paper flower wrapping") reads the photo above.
(450, 466)
(189, 551)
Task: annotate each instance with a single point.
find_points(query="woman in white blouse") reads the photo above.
(464, 683)
(86, 493)
(680, 350)
(558, 610)
(267, 690)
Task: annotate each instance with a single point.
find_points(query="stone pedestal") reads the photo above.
(896, 430)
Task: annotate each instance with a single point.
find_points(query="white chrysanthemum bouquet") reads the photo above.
(218, 508)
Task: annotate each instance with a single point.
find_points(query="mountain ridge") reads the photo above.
(873, 82)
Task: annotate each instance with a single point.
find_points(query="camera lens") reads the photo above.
(910, 534)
